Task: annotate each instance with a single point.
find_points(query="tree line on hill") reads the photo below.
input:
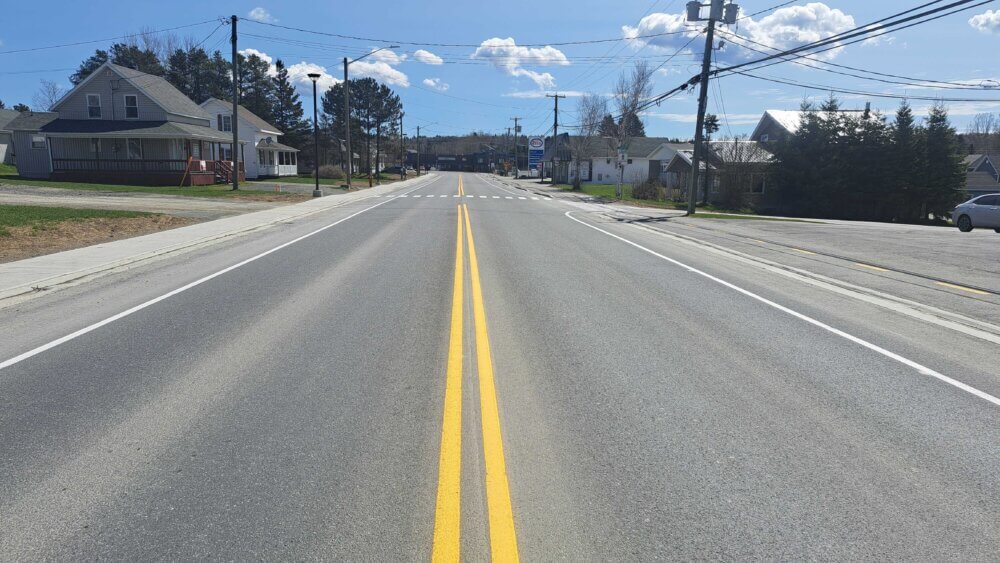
(850, 165)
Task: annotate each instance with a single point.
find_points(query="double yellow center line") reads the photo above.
(447, 517)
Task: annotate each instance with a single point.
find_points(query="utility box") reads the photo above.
(694, 11)
(732, 12)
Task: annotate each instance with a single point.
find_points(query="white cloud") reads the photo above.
(261, 15)
(387, 56)
(380, 71)
(986, 22)
(271, 70)
(436, 84)
(427, 57)
(796, 25)
(674, 24)
(298, 74)
(505, 54)
(784, 28)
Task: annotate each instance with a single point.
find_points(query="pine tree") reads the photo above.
(633, 126)
(89, 65)
(131, 56)
(220, 74)
(21, 108)
(2, 105)
(256, 86)
(179, 72)
(608, 127)
(287, 109)
(945, 173)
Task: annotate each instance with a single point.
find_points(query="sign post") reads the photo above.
(536, 147)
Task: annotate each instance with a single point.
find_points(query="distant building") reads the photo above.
(6, 135)
(981, 175)
(645, 158)
(268, 158)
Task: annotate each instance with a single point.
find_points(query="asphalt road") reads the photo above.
(589, 390)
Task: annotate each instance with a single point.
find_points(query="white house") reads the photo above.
(263, 156)
(645, 158)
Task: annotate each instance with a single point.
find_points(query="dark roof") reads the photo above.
(108, 128)
(161, 92)
(6, 116)
(31, 120)
(248, 115)
(639, 147)
(262, 144)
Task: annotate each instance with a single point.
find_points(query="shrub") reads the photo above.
(332, 172)
(650, 189)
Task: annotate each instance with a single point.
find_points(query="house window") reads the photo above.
(765, 138)
(757, 184)
(135, 149)
(37, 142)
(260, 156)
(95, 146)
(281, 159)
(295, 158)
(131, 106)
(225, 122)
(94, 106)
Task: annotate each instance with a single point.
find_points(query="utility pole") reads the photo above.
(716, 10)
(236, 104)
(507, 159)
(402, 149)
(555, 134)
(418, 150)
(517, 132)
(347, 125)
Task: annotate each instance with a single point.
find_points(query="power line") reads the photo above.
(827, 88)
(429, 44)
(782, 5)
(120, 37)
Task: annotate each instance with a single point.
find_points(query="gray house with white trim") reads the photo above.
(120, 125)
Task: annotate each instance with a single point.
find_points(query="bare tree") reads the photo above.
(47, 95)
(984, 135)
(590, 109)
(632, 89)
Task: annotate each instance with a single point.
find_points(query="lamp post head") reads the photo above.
(314, 76)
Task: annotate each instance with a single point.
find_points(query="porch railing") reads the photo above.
(94, 165)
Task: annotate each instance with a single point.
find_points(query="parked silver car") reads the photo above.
(979, 212)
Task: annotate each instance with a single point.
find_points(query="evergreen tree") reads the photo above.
(2, 105)
(906, 163)
(219, 78)
(608, 127)
(89, 65)
(287, 110)
(633, 126)
(179, 72)
(131, 56)
(944, 176)
(21, 108)
(256, 87)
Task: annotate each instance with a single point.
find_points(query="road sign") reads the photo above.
(536, 147)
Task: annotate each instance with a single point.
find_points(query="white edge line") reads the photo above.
(891, 355)
(90, 328)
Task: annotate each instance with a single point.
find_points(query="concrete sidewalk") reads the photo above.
(33, 275)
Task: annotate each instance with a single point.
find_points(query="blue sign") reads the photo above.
(536, 147)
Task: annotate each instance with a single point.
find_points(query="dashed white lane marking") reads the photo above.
(482, 197)
(535, 198)
(518, 197)
(404, 195)
(508, 197)
(469, 195)
(418, 195)
(455, 195)
(496, 197)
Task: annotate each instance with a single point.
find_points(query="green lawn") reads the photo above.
(309, 180)
(215, 190)
(37, 217)
(739, 217)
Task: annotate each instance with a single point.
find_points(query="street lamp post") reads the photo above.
(347, 110)
(316, 191)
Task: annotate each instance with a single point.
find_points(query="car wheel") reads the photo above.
(964, 223)
(996, 230)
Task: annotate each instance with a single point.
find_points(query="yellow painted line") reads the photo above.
(448, 514)
(461, 188)
(803, 251)
(758, 240)
(963, 288)
(503, 539)
(876, 268)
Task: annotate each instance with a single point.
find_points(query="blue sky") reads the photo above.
(509, 54)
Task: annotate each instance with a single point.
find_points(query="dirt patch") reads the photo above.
(36, 240)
